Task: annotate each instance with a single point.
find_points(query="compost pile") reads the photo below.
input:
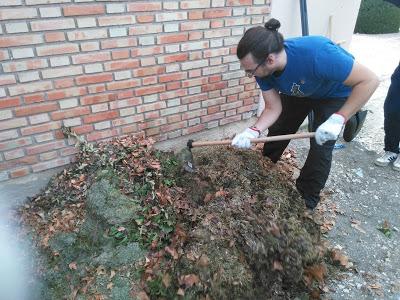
(126, 222)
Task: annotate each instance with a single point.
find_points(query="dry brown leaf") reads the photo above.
(204, 261)
(189, 280)
(339, 257)
(357, 226)
(166, 280)
(317, 272)
(221, 193)
(110, 286)
(375, 286)
(180, 292)
(142, 296)
(72, 265)
(100, 270)
(277, 266)
(112, 274)
(207, 198)
(172, 252)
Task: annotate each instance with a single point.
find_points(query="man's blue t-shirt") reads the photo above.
(316, 68)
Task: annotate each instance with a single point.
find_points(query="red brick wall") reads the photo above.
(108, 68)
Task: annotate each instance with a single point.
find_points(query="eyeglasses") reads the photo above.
(252, 72)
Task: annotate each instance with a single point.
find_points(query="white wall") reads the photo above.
(332, 18)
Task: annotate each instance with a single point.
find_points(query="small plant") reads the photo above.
(385, 229)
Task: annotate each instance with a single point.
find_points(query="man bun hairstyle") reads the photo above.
(261, 41)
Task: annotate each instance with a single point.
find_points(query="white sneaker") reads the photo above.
(396, 164)
(386, 158)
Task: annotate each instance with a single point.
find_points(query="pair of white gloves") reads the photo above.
(327, 131)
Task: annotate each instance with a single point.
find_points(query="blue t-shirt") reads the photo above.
(316, 68)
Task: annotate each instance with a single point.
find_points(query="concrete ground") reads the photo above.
(365, 194)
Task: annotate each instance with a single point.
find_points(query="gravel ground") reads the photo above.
(366, 195)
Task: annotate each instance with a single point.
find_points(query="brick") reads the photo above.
(8, 135)
(115, 8)
(34, 98)
(15, 143)
(68, 103)
(44, 137)
(36, 2)
(171, 27)
(59, 61)
(143, 7)
(63, 83)
(86, 22)
(121, 65)
(17, 27)
(194, 114)
(35, 109)
(116, 20)
(93, 68)
(125, 84)
(212, 117)
(217, 13)
(100, 98)
(61, 72)
(173, 110)
(99, 135)
(171, 16)
(90, 46)
(70, 113)
(91, 57)
(195, 14)
(2, 92)
(193, 129)
(97, 88)
(172, 58)
(30, 88)
(209, 34)
(148, 71)
(175, 126)
(54, 37)
(150, 107)
(22, 53)
(214, 86)
(128, 120)
(20, 40)
(172, 77)
(120, 54)
(172, 38)
(99, 107)
(48, 155)
(195, 46)
(173, 85)
(50, 12)
(146, 41)
(194, 64)
(102, 125)
(50, 164)
(10, 2)
(145, 19)
(28, 76)
(14, 123)
(119, 43)
(100, 116)
(88, 79)
(195, 25)
(17, 13)
(191, 4)
(13, 154)
(37, 119)
(117, 32)
(258, 10)
(68, 151)
(143, 51)
(52, 24)
(145, 29)
(237, 21)
(7, 79)
(72, 122)
(125, 103)
(6, 114)
(79, 35)
(147, 61)
(82, 10)
(4, 55)
(19, 172)
(149, 90)
(57, 49)
(218, 3)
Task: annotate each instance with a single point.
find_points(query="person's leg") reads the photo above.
(316, 169)
(392, 114)
(294, 111)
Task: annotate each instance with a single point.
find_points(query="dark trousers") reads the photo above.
(391, 110)
(316, 169)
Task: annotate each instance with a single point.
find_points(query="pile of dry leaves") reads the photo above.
(125, 222)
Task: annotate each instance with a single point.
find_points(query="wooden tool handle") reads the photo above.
(285, 137)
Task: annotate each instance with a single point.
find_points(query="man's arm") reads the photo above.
(363, 82)
(273, 108)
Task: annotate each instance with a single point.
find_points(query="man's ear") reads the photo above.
(270, 59)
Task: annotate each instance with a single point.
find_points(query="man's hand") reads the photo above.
(330, 129)
(242, 140)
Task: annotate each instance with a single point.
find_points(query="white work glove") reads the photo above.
(242, 140)
(330, 129)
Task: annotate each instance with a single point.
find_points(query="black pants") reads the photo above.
(316, 169)
(392, 114)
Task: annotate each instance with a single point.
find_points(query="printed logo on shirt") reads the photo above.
(295, 90)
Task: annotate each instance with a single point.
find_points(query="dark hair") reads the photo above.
(261, 41)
